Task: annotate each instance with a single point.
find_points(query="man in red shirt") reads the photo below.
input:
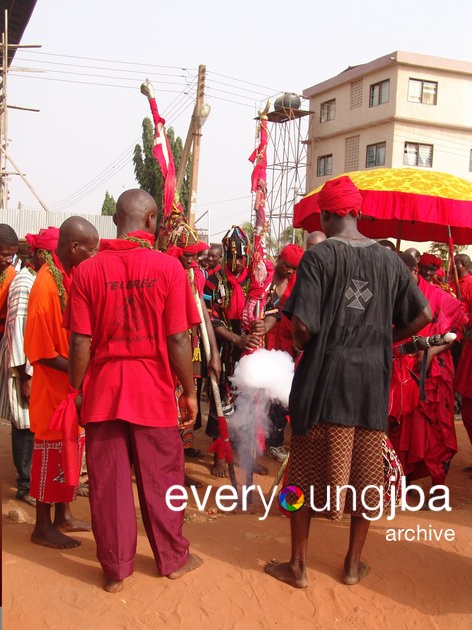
(130, 311)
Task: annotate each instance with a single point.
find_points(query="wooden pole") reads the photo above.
(186, 152)
(214, 385)
(197, 134)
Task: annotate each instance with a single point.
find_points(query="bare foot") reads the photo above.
(113, 586)
(190, 481)
(193, 562)
(50, 537)
(354, 573)
(286, 572)
(219, 468)
(73, 525)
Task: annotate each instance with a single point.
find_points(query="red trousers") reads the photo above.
(158, 459)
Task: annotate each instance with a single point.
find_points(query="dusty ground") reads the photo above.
(411, 585)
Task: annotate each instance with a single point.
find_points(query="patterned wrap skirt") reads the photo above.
(332, 457)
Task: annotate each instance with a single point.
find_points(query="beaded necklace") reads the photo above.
(139, 241)
(57, 276)
(3, 276)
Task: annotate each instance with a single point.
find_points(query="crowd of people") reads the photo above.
(108, 348)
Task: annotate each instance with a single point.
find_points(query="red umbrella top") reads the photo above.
(406, 203)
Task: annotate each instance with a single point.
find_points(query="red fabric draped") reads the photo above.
(238, 299)
(66, 420)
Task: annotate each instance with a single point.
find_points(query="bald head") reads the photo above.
(135, 210)
(314, 238)
(78, 240)
(414, 252)
(463, 264)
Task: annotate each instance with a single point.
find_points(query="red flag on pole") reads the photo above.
(162, 151)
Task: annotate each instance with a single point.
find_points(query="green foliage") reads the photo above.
(109, 205)
(147, 171)
(442, 250)
(292, 235)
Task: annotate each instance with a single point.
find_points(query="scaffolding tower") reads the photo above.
(287, 159)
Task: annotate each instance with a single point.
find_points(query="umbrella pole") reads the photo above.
(214, 385)
(453, 263)
(399, 237)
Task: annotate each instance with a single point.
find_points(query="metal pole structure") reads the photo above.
(4, 118)
(2, 150)
(197, 134)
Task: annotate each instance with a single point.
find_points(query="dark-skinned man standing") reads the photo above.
(131, 308)
(47, 348)
(348, 293)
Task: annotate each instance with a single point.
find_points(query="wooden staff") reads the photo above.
(213, 381)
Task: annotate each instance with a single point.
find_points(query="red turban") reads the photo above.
(340, 196)
(195, 248)
(174, 251)
(46, 239)
(429, 260)
(292, 254)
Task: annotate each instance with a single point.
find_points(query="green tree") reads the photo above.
(271, 244)
(147, 171)
(442, 250)
(109, 205)
(292, 235)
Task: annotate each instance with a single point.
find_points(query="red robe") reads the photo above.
(425, 437)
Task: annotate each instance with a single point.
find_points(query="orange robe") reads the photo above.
(45, 338)
(10, 274)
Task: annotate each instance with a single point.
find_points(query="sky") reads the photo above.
(94, 55)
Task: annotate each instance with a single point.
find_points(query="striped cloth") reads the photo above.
(12, 353)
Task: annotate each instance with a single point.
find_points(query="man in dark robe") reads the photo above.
(349, 291)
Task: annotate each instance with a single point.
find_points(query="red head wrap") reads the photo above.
(292, 254)
(174, 251)
(195, 248)
(46, 239)
(429, 260)
(340, 196)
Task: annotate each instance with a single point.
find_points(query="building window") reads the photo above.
(356, 94)
(418, 154)
(328, 110)
(351, 153)
(324, 165)
(379, 93)
(375, 154)
(424, 92)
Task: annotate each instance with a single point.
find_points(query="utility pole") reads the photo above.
(194, 135)
(4, 156)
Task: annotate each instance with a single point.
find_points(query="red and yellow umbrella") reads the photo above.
(406, 203)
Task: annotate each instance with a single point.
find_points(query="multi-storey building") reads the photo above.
(403, 109)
